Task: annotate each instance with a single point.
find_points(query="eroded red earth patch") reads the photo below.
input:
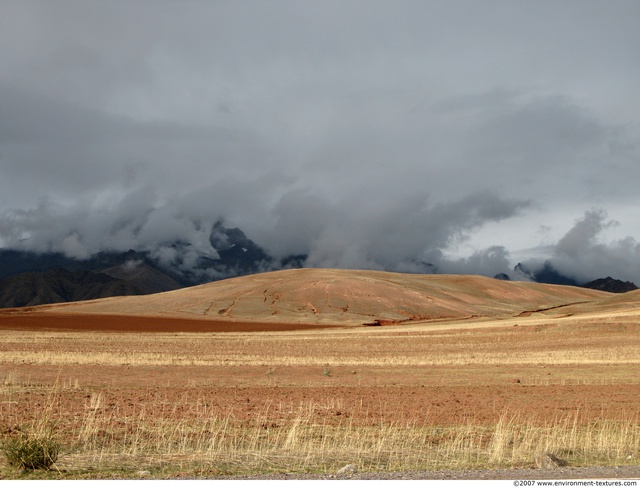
(17, 320)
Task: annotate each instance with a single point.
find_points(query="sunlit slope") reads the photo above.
(609, 308)
(348, 297)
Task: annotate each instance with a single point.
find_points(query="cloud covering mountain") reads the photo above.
(364, 134)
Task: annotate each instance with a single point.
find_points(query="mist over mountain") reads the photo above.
(29, 278)
(177, 264)
(217, 252)
(546, 274)
(580, 256)
(405, 234)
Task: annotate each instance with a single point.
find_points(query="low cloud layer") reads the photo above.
(580, 255)
(404, 233)
(363, 134)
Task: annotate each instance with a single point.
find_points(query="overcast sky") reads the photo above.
(377, 134)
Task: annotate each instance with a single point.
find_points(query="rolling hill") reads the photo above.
(334, 297)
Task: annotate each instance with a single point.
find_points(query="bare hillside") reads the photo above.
(343, 297)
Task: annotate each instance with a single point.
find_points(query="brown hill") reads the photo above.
(338, 297)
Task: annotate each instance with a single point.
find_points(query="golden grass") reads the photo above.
(300, 442)
(620, 355)
(101, 440)
(553, 342)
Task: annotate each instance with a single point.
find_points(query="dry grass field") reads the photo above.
(469, 373)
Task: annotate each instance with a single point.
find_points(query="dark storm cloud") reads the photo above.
(363, 133)
(64, 152)
(400, 232)
(545, 146)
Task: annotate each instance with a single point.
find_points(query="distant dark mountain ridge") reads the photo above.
(611, 285)
(146, 278)
(13, 262)
(60, 286)
(549, 275)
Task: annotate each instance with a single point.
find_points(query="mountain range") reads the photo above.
(29, 278)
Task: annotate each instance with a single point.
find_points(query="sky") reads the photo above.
(364, 133)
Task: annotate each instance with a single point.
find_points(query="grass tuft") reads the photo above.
(31, 451)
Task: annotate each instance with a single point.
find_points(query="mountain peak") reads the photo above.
(611, 285)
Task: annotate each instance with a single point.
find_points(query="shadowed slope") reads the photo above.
(343, 297)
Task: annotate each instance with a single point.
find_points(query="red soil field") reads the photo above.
(368, 398)
(139, 324)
